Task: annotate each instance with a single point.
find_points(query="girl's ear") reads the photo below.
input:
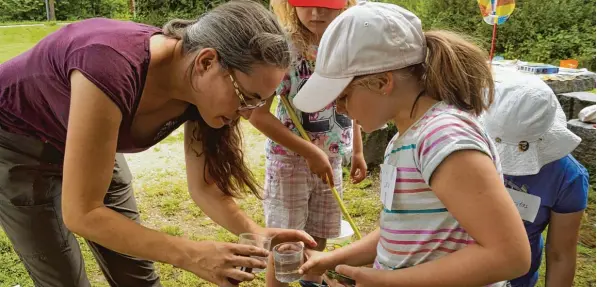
(387, 83)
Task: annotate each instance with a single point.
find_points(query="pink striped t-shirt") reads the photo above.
(418, 227)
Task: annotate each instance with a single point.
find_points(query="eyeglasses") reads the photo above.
(244, 106)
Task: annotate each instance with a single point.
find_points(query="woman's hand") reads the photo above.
(218, 262)
(279, 235)
(319, 164)
(358, 170)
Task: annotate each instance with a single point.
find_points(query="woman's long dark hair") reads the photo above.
(224, 158)
(244, 33)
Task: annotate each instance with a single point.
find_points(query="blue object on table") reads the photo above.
(538, 68)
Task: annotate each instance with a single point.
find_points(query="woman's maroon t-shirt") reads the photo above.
(35, 86)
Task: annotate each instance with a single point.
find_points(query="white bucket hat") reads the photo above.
(367, 38)
(527, 123)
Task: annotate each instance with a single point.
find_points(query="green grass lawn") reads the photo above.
(164, 203)
(14, 41)
(32, 23)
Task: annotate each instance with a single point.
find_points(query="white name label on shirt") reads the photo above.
(388, 184)
(527, 204)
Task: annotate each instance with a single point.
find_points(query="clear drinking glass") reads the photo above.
(257, 240)
(288, 258)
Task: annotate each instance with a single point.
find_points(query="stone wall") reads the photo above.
(573, 103)
(585, 152)
(374, 145)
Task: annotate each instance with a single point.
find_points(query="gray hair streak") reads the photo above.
(243, 32)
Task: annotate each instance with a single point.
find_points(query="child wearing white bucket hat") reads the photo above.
(447, 218)
(548, 185)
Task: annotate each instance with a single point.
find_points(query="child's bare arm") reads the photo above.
(360, 253)
(358, 170)
(271, 127)
(357, 141)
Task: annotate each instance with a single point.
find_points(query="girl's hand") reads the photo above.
(358, 170)
(316, 262)
(319, 164)
(332, 282)
(364, 277)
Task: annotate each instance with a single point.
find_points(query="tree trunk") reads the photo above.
(51, 14)
(132, 7)
(96, 7)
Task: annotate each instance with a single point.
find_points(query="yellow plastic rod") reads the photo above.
(302, 131)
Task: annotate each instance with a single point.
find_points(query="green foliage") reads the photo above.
(15, 10)
(35, 10)
(564, 29)
(536, 31)
(158, 12)
(77, 9)
(549, 33)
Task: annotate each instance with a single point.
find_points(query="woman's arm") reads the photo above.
(94, 121)
(92, 137)
(468, 185)
(560, 251)
(222, 208)
(218, 206)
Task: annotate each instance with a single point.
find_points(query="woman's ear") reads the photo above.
(206, 59)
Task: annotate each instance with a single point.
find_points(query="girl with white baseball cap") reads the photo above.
(548, 185)
(447, 218)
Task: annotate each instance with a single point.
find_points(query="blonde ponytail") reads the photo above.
(457, 72)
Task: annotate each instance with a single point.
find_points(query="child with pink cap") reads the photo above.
(297, 191)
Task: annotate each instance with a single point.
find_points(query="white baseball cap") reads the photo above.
(527, 123)
(367, 38)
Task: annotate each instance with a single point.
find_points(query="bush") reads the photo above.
(158, 12)
(22, 10)
(549, 33)
(65, 10)
(535, 32)
(77, 9)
